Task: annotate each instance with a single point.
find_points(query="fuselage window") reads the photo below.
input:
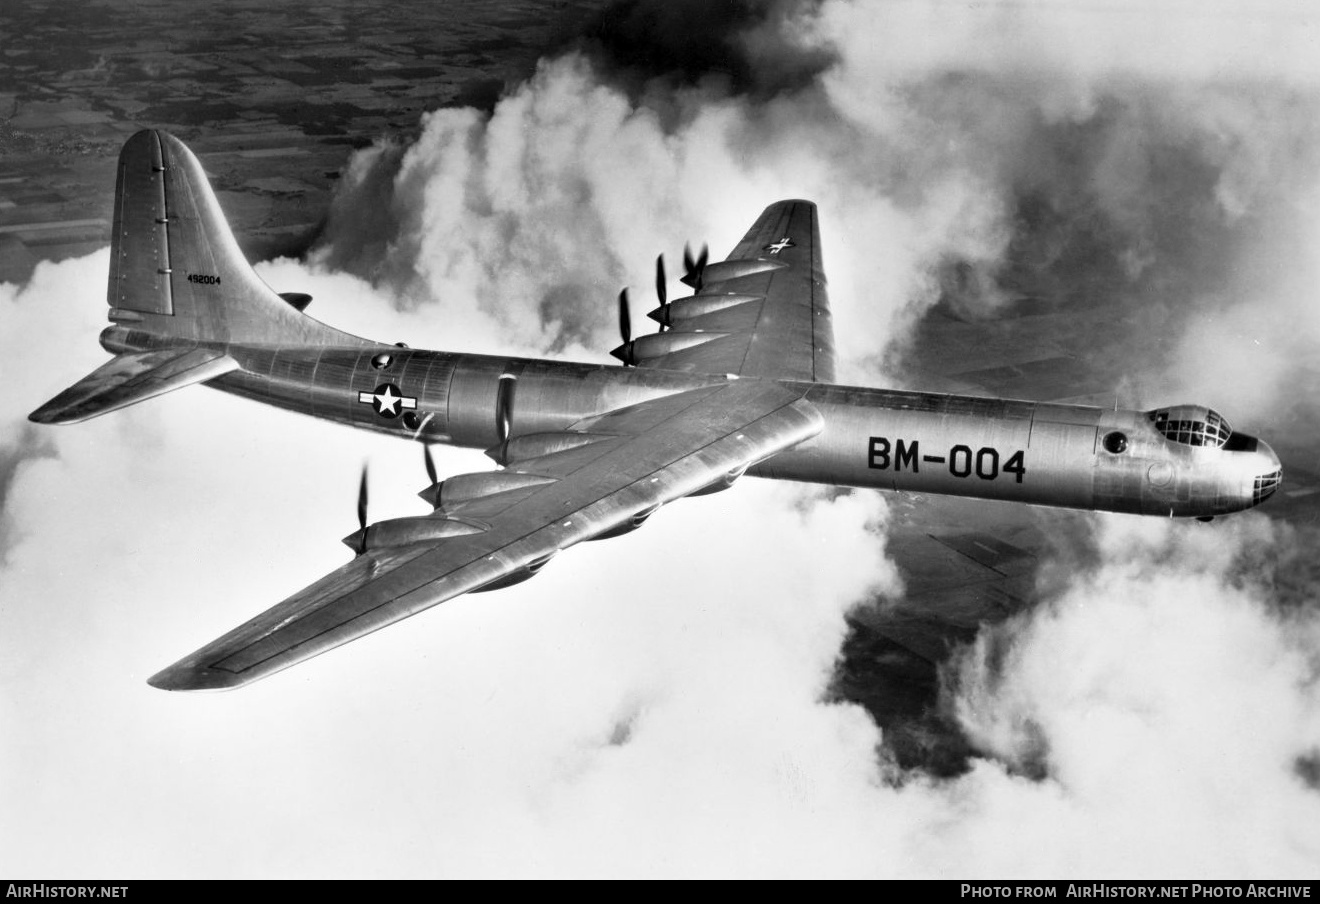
(1115, 443)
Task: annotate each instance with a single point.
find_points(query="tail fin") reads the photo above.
(175, 268)
(180, 289)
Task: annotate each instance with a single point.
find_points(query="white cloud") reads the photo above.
(1168, 700)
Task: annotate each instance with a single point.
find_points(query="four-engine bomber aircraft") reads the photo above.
(738, 380)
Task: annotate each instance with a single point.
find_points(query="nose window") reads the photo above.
(1266, 484)
(1192, 425)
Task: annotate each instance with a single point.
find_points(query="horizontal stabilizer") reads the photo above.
(130, 378)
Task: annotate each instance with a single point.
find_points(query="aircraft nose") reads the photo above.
(1269, 473)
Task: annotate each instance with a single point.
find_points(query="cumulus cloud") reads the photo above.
(1166, 700)
(1156, 713)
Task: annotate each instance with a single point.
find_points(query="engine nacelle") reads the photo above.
(657, 345)
(453, 492)
(406, 531)
(681, 309)
(726, 270)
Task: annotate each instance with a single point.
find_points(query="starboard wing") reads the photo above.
(763, 311)
(600, 476)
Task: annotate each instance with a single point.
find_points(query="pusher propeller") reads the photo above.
(694, 266)
(661, 285)
(624, 351)
(504, 407)
(625, 317)
(361, 535)
(431, 473)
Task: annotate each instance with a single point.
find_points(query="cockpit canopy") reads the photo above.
(1192, 425)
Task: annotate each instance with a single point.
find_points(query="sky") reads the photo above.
(656, 705)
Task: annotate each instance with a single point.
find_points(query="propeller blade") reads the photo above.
(362, 511)
(362, 499)
(504, 408)
(661, 284)
(694, 266)
(431, 473)
(625, 317)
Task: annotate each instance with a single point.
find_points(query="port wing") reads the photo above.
(601, 476)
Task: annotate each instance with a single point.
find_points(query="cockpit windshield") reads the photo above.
(1192, 425)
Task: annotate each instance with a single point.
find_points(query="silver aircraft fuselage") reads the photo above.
(1034, 452)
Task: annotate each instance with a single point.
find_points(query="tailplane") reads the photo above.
(133, 377)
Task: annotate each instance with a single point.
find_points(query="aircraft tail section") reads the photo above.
(181, 293)
(176, 271)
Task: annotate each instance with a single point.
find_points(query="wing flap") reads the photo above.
(706, 433)
(131, 378)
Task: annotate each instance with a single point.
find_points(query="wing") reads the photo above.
(762, 312)
(600, 477)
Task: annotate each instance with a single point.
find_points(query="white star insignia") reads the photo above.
(387, 400)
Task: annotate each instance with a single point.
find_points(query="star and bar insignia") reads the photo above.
(387, 400)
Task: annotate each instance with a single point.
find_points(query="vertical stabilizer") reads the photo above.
(175, 268)
(139, 246)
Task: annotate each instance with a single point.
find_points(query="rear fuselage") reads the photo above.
(1034, 452)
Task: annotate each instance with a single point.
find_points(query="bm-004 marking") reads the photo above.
(740, 379)
(961, 460)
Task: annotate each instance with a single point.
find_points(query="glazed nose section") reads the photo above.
(1269, 473)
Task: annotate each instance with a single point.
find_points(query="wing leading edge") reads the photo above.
(601, 476)
(763, 311)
